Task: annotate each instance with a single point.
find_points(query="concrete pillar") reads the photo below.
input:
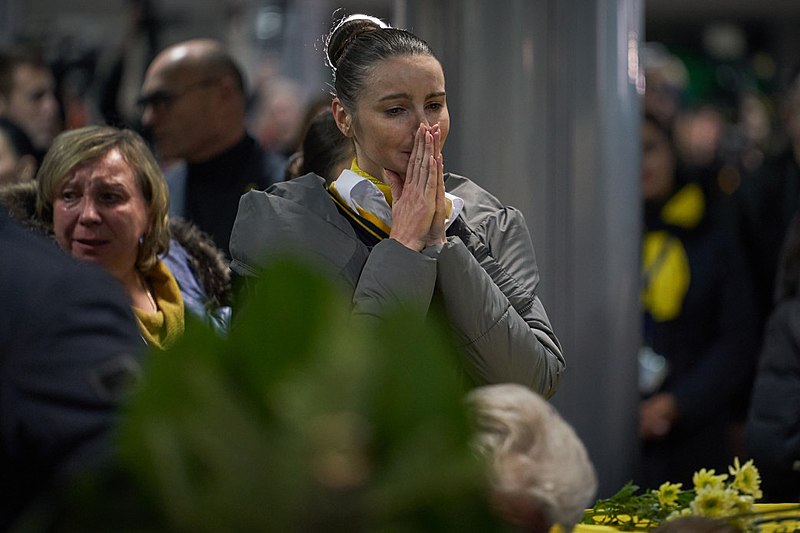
(544, 97)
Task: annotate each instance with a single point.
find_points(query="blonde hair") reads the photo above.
(77, 147)
(534, 455)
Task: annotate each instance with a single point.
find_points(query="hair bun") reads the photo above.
(345, 31)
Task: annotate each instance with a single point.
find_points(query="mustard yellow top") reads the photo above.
(163, 327)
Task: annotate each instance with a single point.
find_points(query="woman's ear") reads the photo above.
(342, 117)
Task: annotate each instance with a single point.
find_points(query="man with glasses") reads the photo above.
(193, 102)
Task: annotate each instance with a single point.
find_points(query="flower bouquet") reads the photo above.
(727, 497)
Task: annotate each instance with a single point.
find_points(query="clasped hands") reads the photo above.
(418, 202)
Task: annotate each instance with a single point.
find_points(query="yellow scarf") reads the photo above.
(383, 187)
(163, 327)
(665, 265)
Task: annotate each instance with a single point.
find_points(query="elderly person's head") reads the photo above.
(104, 194)
(539, 471)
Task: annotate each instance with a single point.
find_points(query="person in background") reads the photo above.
(324, 152)
(666, 79)
(69, 354)
(17, 155)
(767, 201)
(278, 120)
(539, 471)
(27, 96)
(103, 195)
(193, 102)
(395, 229)
(699, 323)
(772, 432)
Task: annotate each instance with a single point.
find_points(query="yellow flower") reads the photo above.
(743, 507)
(743, 504)
(713, 502)
(678, 513)
(746, 478)
(668, 493)
(707, 479)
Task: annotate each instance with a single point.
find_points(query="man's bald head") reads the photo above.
(194, 100)
(205, 56)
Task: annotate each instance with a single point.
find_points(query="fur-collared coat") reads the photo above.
(197, 264)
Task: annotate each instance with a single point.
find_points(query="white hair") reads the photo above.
(534, 454)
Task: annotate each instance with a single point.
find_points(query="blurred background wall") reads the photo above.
(545, 100)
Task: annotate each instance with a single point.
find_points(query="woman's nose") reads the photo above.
(88, 212)
(421, 118)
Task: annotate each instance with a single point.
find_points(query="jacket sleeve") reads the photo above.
(394, 276)
(488, 277)
(772, 431)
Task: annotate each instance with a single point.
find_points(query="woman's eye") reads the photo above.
(435, 106)
(68, 196)
(394, 111)
(110, 197)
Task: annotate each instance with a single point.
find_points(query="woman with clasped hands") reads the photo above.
(395, 228)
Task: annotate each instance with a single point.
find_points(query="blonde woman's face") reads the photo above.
(99, 214)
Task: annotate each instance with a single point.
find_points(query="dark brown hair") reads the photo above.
(356, 44)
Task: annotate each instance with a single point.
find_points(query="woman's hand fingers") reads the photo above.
(436, 235)
(417, 154)
(413, 212)
(395, 182)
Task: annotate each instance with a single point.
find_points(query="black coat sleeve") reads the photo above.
(772, 431)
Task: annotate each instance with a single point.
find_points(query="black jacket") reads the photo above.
(207, 193)
(772, 432)
(69, 351)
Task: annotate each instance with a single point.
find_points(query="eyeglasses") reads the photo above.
(162, 99)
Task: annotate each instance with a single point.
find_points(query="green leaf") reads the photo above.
(300, 420)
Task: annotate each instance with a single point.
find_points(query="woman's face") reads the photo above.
(658, 163)
(100, 213)
(400, 93)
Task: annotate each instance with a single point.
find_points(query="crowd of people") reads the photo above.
(719, 190)
(189, 203)
(363, 193)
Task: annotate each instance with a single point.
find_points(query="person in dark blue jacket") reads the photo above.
(69, 352)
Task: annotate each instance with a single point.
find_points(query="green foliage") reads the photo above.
(303, 420)
(628, 511)
(725, 498)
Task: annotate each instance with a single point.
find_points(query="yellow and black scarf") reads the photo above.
(367, 203)
(665, 265)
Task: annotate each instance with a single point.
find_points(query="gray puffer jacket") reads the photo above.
(485, 275)
(197, 264)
